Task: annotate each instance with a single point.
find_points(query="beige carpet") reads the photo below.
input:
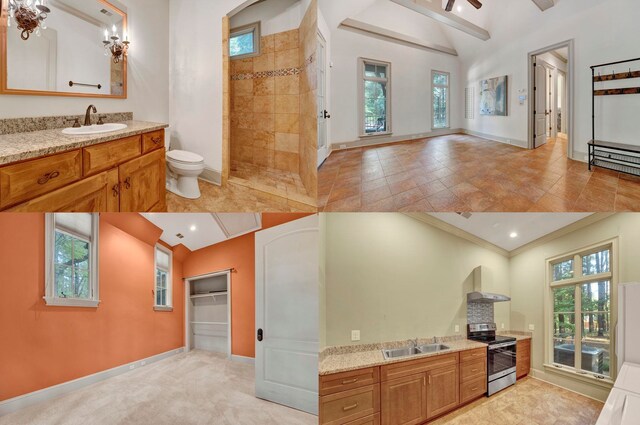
(193, 388)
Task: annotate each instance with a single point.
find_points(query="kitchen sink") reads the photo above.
(94, 129)
(412, 351)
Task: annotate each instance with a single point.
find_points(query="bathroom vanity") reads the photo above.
(117, 171)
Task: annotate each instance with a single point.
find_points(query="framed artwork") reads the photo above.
(493, 96)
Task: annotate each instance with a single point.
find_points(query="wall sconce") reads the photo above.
(29, 15)
(113, 44)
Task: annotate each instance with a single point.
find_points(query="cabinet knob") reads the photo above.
(48, 177)
(127, 183)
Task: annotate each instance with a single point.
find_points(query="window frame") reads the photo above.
(433, 87)
(256, 30)
(362, 62)
(50, 297)
(577, 281)
(169, 305)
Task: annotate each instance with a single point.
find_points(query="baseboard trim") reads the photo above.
(513, 142)
(542, 376)
(22, 401)
(383, 140)
(243, 359)
(211, 176)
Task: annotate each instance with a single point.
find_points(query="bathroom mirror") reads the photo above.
(63, 48)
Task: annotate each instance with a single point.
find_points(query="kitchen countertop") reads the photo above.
(517, 336)
(20, 146)
(344, 359)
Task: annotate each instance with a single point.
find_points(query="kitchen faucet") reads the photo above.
(435, 340)
(414, 342)
(87, 117)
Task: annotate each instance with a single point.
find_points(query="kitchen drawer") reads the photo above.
(30, 179)
(347, 406)
(109, 155)
(470, 355)
(473, 389)
(152, 141)
(411, 367)
(473, 369)
(330, 384)
(369, 420)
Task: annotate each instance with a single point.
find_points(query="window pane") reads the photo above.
(81, 252)
(595, 263)
(63, 281)
(71, 266)
(161, 287)
(441, 79)
(63, 250)
(596, 326)
(563, 270)
(241, 44)
(375, 71)
(81, 283)
(375, 107)
(440, 107)
(564, 326)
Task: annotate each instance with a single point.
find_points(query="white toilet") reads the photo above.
(184, 169)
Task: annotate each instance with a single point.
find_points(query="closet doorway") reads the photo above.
(208, 312)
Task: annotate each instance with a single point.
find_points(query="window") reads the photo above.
(244, 42)
(581, 286)
(163, 297)
(71, 255)
(375, 89)
(440, 85)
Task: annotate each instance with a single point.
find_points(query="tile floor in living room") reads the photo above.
(467, 173)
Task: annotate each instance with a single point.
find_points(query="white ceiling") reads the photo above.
(210, 229)
(496, 228)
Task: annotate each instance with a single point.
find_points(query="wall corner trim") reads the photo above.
(22, 401)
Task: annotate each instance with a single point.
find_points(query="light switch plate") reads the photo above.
(532, 327)
(355, 335)
(502, 326)
(457, 328)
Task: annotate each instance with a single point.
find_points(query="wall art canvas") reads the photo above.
(493, 96)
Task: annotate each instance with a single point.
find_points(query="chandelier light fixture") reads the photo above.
(29, 16)
(113, 45)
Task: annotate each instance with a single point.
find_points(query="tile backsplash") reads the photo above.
(480, 313)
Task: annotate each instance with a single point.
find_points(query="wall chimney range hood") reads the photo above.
(486, 297)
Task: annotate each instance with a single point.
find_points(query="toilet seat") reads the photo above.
(185, 157)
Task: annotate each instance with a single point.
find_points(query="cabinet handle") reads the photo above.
(116, 190)
(424, 381)
(474, 370)
(47, 177)
(349, 381)
(347, 408)
(474, 389)
(429, 379)
(156, 140)
(127, 183)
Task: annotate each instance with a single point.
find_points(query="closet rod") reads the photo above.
(202, 276)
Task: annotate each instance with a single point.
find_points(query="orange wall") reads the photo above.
(238, 253)
(42, 346)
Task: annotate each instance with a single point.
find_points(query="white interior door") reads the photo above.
(287, 297)
(540, 109)
(323, 115)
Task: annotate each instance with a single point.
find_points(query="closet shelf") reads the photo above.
(209, 323)
(211, 294)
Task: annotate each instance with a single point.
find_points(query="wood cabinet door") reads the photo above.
(95, 194)
(404, 400)
(523, 358)
(442, 391)
(142, 183)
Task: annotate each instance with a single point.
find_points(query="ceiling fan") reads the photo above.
(474, 3)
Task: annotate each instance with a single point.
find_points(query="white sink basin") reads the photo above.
(94, 129)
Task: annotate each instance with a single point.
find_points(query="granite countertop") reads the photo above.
(517, 336)
(344, 359)
(21, 146)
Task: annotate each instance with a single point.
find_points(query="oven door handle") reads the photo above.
(505, 344)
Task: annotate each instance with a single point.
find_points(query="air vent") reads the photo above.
(466, 215)
(180, 236)
(106, 12)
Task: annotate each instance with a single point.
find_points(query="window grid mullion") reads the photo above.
(578, 332)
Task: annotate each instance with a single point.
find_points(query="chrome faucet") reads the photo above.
(414, 342)
(435, 340)
(87, 117)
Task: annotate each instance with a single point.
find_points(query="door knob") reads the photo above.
(260, 333)
(326, 114)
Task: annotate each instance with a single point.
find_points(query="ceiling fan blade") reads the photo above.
(475, 3)
(450, 4)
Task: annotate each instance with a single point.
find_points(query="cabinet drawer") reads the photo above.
(473, 370)
(476, 354)
(152, 141)
(369, 420)
(412, 367)
(347, 406)
(338, 382)
(108, 155)
(30, 179)
(473, 389)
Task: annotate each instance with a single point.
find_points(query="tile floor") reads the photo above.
(188, 389)
(466, 173)
(234, 198)
(529, 402)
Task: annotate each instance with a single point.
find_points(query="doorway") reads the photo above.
(551, 85)
(323, 114)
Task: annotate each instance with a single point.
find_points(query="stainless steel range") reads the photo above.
(501, 355)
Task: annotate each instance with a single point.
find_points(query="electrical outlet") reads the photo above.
(532, 327)
(132, 366)
(355, 335)
(142, 363)
(457, 328)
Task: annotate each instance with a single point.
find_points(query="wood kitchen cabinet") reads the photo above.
(523, 358)
(350, 398)
(125, 175)
(442, 391)
(404, 400)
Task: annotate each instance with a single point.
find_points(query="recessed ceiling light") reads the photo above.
(513, 235)
(193, 228)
